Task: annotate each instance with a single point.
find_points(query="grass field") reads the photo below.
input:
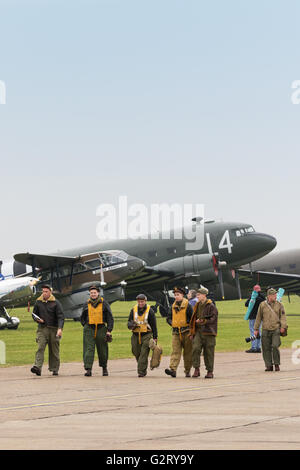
(232, 330)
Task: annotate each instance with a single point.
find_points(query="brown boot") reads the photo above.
(196, 372)
(209, 375)
(269, 369)
(277, 368)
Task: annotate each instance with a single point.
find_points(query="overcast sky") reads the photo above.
(163, 101)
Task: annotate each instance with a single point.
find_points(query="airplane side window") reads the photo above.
(79, 268)
(238, 233)
(122, 256)
(93, 263)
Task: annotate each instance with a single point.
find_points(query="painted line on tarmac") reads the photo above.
(231, 385)
(113, 397)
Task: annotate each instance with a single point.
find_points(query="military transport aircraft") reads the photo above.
(158, 264)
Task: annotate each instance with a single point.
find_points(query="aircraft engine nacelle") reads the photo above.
(3, 323)
(190, 265)
(13, 323)
(11, 269)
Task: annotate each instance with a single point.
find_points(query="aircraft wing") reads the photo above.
(45, 261)
(289, 282)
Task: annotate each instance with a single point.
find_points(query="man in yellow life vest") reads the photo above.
(142, 323)
(98, 323)
(179, 318)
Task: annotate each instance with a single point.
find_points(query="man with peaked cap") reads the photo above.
(256, 344)
(142, 323)
(272, 315)
(203, 331)
(47, 312)
(179, 318)
(98, 323)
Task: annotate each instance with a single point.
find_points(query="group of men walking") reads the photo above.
(194, 323)
(194, 329)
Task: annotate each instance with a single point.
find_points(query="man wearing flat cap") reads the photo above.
(203, 331)
(272, 315)
(142, 323)
(179, 318)
(47, 312)
(98, 323)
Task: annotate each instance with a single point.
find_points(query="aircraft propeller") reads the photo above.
(235, 276)
(217, 265)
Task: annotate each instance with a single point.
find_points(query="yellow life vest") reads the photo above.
(142, 321)
(95, 315)
(179, 319)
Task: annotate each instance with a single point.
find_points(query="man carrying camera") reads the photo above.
(272, 314)
(203, 331)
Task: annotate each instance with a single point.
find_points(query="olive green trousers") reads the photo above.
(207, 344)
(141, 351)
(46, 335)
(90, 342)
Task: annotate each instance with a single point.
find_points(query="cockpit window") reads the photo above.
(243, 231)
(113, 257)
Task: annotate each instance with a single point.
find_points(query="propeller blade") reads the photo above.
(238, 285)
(220, 278)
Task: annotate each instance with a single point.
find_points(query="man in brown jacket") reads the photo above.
(203, 331)
(272, 314)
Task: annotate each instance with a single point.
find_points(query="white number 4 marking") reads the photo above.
(225, 242)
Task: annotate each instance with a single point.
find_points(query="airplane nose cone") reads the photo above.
(254, 246)
(270, 242)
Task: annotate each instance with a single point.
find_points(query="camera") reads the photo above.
(252, 338)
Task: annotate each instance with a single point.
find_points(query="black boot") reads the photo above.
(170, 372)
(104, 371)
(88, 373)
(35, 370)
